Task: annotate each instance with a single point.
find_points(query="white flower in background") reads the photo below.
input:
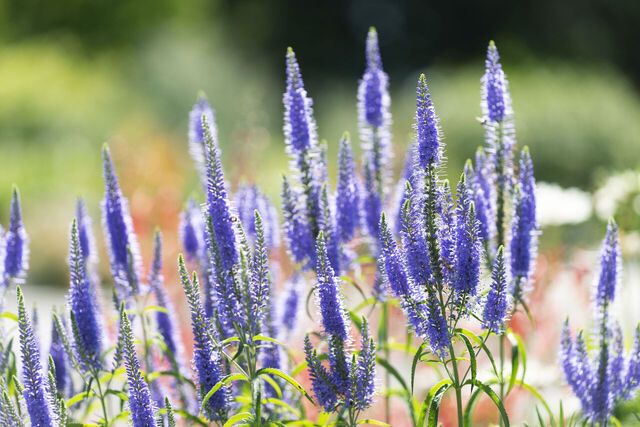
(557, 205)
(617, 189)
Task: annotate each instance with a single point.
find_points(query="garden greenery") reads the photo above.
(457, 260)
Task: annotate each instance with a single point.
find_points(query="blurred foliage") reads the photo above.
(76, 76)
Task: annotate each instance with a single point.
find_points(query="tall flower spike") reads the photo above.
(191, 231)
(196, 132)
(299, 125)
(206, 358)
(323, 387)
(427, 129)
(140, 403)
(85, 232)
(632, 377)
(610, 266)
(167, 326)
(329, 294)
(118, 230)
(347, 212)
(413, 240)
(468, 249)
(36, 395)
(373, 111)
(495, 309)
(260, 282)
(371, 202)
(482, 186)
(16, 255)
(295, 226)
(394, 264)
(291, 302)
(60, 360)
(83, 303)
(327, 225)
(366, 370)
(446, 230)
(524, 226)
(218, 203)
(496, 103)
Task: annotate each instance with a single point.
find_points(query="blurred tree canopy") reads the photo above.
(592, 31)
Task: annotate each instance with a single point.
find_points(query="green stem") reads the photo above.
(457, 386)
(102, 402)
(387, 353)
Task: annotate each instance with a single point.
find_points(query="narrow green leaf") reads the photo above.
(537, 394)
(373, 423)
(482, 344)
(432, 401)
(515, 360)
(472, 356)
(287, 378)
(155, 308)
(237, 418)
(494, 397)
(219, 384)
(414, 364)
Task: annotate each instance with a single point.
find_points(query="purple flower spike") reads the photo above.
(610, 266)
(347, 200)
(365, 386)
(467, 243)
(118, 229)
(85, 232)
(427, 129)
(249, 198)
(299, 125)
(191, 231)
(140, 403)
(218, 204)
(196, 132)
(83, 303)
(329, 294)
(374, 117)
(206, 358)
(167, 325)
(322, 383)
(36, 394)
(495, 309)
(16, 255)
(524, 226)
(496, 103)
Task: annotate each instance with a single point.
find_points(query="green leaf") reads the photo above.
(373, 423)
(355, 285)
(269, 339)
(156, 308)
(472, 356)
(494, 397)
(287, 378)
(482, 344)
(273, 384)
(408, 395)
(237, 418)
(219, 384)
(7, 315)
(414, 364)
(515, 360)
(301, 367)
(432, 401)
(79, 397)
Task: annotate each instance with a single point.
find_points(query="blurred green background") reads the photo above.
(74, 74)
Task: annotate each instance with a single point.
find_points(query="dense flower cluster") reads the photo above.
(450, 257)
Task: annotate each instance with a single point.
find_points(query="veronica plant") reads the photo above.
(607, 375)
